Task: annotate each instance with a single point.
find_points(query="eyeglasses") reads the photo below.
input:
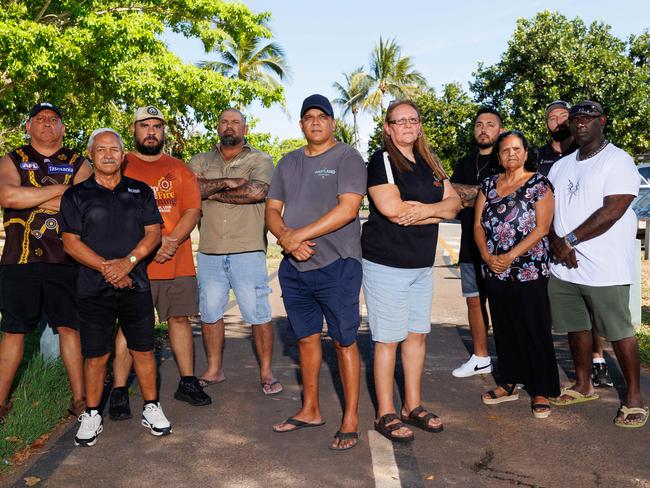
(410, 120)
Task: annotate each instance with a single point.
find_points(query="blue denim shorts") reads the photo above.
(332, 292)
(471, 280)
(398, 300)
(246, 274)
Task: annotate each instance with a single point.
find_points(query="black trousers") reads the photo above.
(522, 332)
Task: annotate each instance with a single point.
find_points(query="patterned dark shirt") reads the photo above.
(508, 220)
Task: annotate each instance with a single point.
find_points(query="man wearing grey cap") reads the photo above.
(312, 209)
(38, 278)
(592, 241)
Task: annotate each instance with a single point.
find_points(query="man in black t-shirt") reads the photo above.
(561, 144)
(110, 224)
(469, 172)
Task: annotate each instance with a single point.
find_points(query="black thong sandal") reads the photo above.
(386, 430)
(345, 436)
(421, 421)
(298, 424)
(512, 394)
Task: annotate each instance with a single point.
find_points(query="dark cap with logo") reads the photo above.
(317, 101)
(39, 107)
(558, 104)
(589, 108)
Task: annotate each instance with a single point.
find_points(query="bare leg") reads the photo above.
(384, 373)
(122, 361)
(350, 367)
(95, 373)
(627, 354)
(213, 340)
(580, 344)
(477, 325)
(11, 354)
(182, 342)
(413, 352)
(263, 337)
(70, 347)
(311, 357)
(597, 345)
(145, 369)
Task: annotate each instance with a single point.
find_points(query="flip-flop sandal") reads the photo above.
(621, 421)
(386, 430)
(298, 424)
(269, 385)
(512, 394)
(345, 436)
(421, 421)
(575, 397)
(204, 383)
(541, 410)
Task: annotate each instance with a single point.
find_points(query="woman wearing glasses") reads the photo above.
(514, 211)
(409, 193)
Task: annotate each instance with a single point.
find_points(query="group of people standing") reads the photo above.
(89, 248)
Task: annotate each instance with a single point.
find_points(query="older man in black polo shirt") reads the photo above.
(110, 224)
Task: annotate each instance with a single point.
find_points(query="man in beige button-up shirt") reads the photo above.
(234, 179)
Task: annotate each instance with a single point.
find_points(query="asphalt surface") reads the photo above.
(230, 443)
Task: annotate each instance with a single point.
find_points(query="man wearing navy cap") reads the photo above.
(592, 241)
(38, 279)
(312, 209)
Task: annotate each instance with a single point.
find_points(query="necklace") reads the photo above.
(593, 153)
(478, 171)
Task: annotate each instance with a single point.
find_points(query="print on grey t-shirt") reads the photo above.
(309, 187)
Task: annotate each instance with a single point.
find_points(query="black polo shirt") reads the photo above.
(546, 157)
(472, 170)
(111, 223)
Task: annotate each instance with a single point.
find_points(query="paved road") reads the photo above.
(230, 443)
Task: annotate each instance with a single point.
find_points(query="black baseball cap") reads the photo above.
(589, 108)
(557, 104)
(39, 107)
(317, 101)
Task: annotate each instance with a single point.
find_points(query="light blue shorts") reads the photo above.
(469, 280)
(398, 300)
(246, 274)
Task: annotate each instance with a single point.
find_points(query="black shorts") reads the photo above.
(98, 317)
(33, 292)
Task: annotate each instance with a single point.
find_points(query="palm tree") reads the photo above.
(343, 133)
(249, 58)
(351, 96)
(391, 73)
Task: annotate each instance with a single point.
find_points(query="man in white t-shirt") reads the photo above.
(593, 246)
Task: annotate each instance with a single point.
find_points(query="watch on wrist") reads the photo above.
(133, 259)
(571, 239)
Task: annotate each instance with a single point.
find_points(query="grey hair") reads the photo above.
(101, 130)
(236, 110)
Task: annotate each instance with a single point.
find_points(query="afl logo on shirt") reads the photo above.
(30, 166)
(63, 169)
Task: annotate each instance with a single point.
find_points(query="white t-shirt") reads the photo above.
(580, 187)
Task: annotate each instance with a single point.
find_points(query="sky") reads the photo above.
(446, 41)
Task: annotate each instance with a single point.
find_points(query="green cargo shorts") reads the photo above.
(575, 308)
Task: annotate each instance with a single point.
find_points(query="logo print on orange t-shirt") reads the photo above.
(165, 194)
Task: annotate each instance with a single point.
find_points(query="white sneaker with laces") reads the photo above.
(474, 365)
(154, 419)
(90, 428)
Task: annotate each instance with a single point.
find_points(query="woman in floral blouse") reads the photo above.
(514, 211)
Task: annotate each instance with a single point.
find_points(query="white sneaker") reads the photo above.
(154, 419)
(475, 365)
(90, 428)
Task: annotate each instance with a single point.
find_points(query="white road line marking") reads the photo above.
(384, 466)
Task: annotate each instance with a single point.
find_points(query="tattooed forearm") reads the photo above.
(253, 191)
(210, 187)
(467, 193)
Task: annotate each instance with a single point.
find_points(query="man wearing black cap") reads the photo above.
(312, 209)
(592, 241)
(38, 279)
(561, 144)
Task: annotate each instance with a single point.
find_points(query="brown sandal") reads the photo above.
(421, 421)
(387, 431)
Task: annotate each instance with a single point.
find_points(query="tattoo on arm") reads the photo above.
(467, 193)
(210, 187)
(253, 191)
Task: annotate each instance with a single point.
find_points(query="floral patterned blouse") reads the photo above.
(508, 220)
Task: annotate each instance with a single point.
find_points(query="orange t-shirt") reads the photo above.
(176, 191)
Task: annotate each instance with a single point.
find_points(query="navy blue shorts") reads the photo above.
(332, 291)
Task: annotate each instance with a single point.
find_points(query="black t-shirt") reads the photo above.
(546, 157)
(390, 244)
(472, 170)
(111, 223)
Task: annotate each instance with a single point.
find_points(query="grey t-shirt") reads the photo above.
(309, 187)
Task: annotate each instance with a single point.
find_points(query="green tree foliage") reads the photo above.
(344, 133)
(391, 74)
(274, 146)
(100, 59)
(351, 95)
(551, 57)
